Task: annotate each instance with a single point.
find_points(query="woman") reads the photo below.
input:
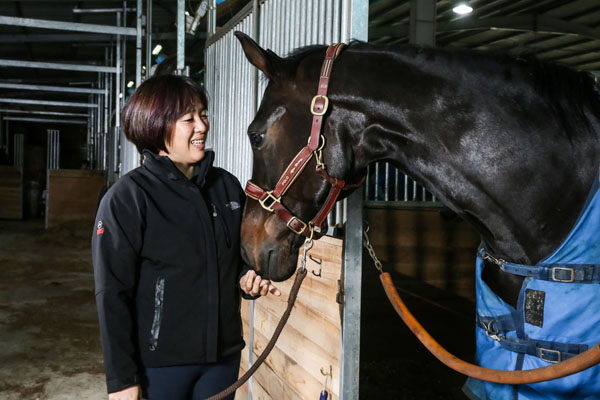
(166, 252)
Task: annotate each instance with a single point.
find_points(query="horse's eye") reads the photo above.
(255, 139)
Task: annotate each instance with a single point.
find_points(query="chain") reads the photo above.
(371, 251)
(498, 261)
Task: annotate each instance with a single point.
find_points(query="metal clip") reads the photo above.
(308, 244)
(492, 334)
(319, 154)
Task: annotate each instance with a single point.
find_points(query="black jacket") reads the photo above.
(166, 253)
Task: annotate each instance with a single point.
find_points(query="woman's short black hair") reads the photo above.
(151, 112)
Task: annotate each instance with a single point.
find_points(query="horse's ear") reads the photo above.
(264, 60)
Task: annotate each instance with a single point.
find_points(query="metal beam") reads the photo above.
(527, 22)
(46, 120)
(48, 103)
(86, 38)
(31, 112)
(66, 26)
(50, 65)
(99, 10)
(43, 88)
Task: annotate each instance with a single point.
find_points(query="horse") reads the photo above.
(511, 145)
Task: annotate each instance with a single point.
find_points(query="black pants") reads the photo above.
(190, 382)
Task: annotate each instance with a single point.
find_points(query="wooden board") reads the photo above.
(72, 196)
(11, 192)
(309, 341)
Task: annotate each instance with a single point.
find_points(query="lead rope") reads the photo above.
(578, 363)
(300, 275)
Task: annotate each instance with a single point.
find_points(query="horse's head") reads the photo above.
(279, 131)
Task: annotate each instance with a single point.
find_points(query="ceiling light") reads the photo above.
(156, 49)
(462, 8)
(130, 84)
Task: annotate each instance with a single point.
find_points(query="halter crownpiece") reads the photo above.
(270, 200)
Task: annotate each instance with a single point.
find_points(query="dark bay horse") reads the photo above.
(510, 145)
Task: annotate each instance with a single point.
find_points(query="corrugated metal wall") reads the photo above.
(230, 80)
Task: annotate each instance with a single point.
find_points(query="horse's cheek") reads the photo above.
(271, 226)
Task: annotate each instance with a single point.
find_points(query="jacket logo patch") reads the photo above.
(232, 205)
(99, 229)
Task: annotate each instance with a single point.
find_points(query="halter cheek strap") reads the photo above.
(270, 200)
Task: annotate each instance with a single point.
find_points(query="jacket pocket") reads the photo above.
(159, 294)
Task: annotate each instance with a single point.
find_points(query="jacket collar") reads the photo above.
(164, 167)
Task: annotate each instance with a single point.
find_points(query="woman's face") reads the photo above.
(189, 135)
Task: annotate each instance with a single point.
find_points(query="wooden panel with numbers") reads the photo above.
(310, 341)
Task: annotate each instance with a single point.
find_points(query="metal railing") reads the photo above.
(386, 185)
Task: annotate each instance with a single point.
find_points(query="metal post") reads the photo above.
(138, 45)
(123, 58)
(212, 18)
(2, 140)
(53, 149)
(19, 150)
(117, 93)
(422, 22)
(148, 37)
(90, 131)
(129, 155)
(181, 37)
(354, 26)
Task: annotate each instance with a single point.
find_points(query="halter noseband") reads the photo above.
(270, 200)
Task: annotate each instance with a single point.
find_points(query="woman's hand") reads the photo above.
(131, 393)
(254, 285)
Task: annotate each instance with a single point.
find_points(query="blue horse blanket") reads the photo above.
(557, 317)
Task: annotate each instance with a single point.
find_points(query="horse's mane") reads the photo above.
(567, 91)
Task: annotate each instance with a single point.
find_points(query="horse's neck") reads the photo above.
(496, 155)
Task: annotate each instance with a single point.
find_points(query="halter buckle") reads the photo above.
(325, 106)
(272, 199)
(289, 225)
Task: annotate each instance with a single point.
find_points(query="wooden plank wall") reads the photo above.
(11, 192)
(431, 245)
(72, 196)
(309, 341)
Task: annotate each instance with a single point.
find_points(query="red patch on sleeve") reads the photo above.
(99, 231)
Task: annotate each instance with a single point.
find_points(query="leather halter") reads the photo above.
(270, 200)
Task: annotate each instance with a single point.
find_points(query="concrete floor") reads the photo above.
(50, 347)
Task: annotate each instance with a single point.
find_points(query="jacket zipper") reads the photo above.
(223, 224)
(159, 294)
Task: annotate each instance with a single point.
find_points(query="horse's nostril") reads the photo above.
(269, 265)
